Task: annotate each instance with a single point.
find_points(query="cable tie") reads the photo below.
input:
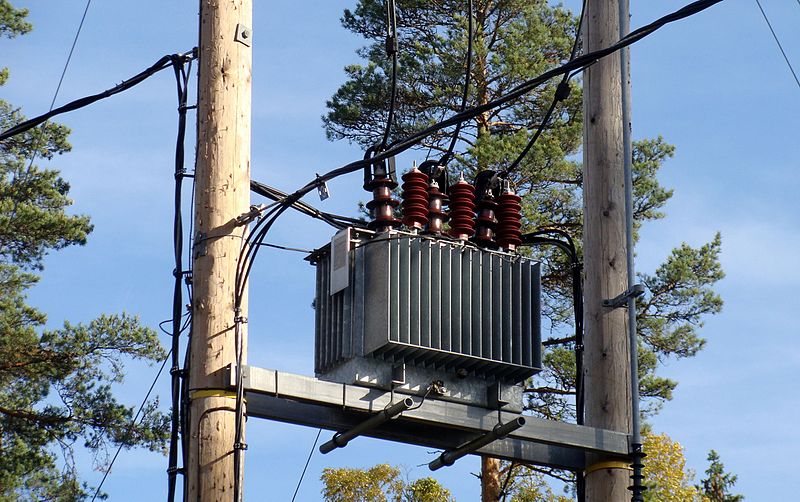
(176, 470)
(391, 45)
(562, 91)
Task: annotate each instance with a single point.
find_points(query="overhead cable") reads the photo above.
(308, 460)
(64, 70)
(775, 36)
(578, 63)
(391, 50)
(465, 94)
(259, 231)
(561, 93)
(161, 64)
(130, 428)
(277, 195)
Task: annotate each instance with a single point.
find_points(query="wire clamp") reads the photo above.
(634, 291)
(240, 446)
(240, 319)
(254, 213)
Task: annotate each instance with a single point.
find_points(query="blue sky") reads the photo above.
(714, 85)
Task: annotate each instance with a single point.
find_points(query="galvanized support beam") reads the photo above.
(440, 424)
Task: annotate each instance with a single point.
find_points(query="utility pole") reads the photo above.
(607, 368)
(222, 177)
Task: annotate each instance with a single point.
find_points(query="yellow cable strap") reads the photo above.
(195, 394)
(609, 464)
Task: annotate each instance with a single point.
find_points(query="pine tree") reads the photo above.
(515, 40)
(717, 486)
(55, 384)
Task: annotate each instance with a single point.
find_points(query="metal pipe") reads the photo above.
(340, 439)
(499, 431)
(636, 437)
(624, 28)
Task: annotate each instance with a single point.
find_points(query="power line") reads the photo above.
(258, 233)
(310, 454)
(133, 423)
(163, 63)
(71, 51)
(778, 41)
(64, 70)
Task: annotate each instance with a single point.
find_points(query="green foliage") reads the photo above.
(717, 485)
(381, 483)
(55, 385)
(516, 40)
(12, 21)
(666, 476)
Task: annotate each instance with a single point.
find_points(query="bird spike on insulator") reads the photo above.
(462, 209)
(486, 221)
(382, 205)
(509, 219)
(415, 199)
(436, 214)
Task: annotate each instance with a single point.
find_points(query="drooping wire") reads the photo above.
(260, 230)
(161, 64)
(308, 460)
(391, 50)
(182, 69)
(465, 94)
(545, 237)
(561, 93)
(777, 41)
(130, 428)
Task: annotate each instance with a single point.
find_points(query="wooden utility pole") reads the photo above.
(222, 176)
(607, 368)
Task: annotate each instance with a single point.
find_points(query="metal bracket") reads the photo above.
(243, 35)
(399, 374)
(622, 300)
(200, 246)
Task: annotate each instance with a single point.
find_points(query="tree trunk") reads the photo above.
(490, 479)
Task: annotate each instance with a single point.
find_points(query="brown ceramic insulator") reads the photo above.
(509, 221)
(382, 205)
(415, 199)
(486, 222)
(436, 214)
(462, 210)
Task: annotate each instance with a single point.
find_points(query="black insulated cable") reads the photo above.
(545, 237)
(391, 51)
(260, 230)
(561, 93)
(334, 220)
(465, 94)
(579, 63)
(161, 64)
(182, 69)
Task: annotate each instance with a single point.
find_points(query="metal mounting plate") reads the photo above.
(439, 424)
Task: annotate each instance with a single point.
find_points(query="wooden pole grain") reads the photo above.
(222, 192)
